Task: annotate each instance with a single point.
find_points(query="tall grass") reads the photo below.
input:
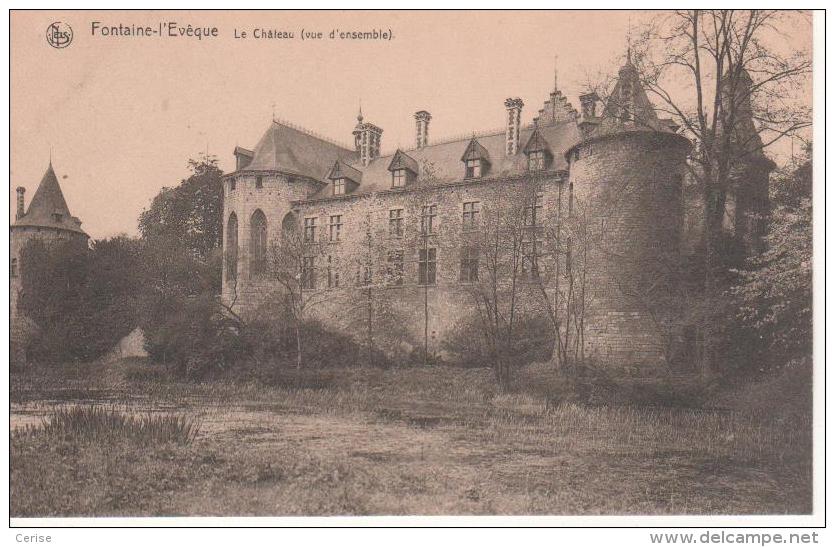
(96, 423)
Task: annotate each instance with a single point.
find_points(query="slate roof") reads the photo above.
(294, 151)
(402, 160)
(537, 143)
(475, 151)
(46, 203)
(441, 163)
(341, 169)
(628, 96)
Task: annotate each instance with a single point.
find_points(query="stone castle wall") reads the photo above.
(21, 236)
(625, 226)
(628, 191)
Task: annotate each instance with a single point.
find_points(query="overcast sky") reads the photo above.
(122, 115)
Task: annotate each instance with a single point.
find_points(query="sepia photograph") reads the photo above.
(413, 264)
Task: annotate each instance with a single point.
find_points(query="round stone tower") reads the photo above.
(287, 164)
(47, 219)
(624, 225)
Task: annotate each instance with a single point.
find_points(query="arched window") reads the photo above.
(290, 224)
(232, 248)
(258, 243)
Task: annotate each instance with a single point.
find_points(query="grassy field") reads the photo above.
(425, 441)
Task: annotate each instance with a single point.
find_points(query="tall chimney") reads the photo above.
(422, 118)
(367, 140)
(20, 211)
(514, 119)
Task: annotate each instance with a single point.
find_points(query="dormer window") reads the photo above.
(476, 160)
(473, 169)
(57, 217)
(538, 152)
(536, 161)
(345, 178)
(403, 168)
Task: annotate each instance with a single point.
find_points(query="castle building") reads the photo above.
(47, 219)
(601, 191)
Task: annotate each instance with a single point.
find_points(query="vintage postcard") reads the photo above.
(342, 266)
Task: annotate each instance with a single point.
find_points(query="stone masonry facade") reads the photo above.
(609, 177)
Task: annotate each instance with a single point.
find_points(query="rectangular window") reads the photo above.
(536, 160)
(232, 185)
(13, 272)
(533, 211)
(259, 182)
(427, 266)
(427, 219)
(310, 229)
(333, 274)
(530, 259)
(339, 187)
(398, 178)
(335, 228)
(309, 272)
(469, 265)
(473, 169)
(396, 223)
(394, 268)
(471, 215)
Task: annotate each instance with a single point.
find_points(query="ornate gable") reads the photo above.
(537, 143)
(342, 170)
(401, 160)
(475, 151)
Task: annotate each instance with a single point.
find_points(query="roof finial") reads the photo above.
(273, 105)
(629, 41)
(556, 72)
(359, 115)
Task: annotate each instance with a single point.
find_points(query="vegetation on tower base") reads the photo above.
(83, 301)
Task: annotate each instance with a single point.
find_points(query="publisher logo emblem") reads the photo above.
(59, 35)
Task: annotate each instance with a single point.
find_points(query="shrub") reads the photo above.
(81, 300)
(194, 337)
(271, 339)
(97, 424)
(533, 341)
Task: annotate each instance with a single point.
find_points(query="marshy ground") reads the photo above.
(412, 441)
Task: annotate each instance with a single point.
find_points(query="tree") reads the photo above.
(774, 292)
(181, 236)
(83, 301)
(189, 214)
(721, 77)
(293, 260)
(497, 252)
(562, 234)
(373, 269)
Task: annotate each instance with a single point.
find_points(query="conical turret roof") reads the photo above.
(48, 208)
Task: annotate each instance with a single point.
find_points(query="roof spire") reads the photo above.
(629, 41)
(556, 72)
(273, 105)
(359, 115)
